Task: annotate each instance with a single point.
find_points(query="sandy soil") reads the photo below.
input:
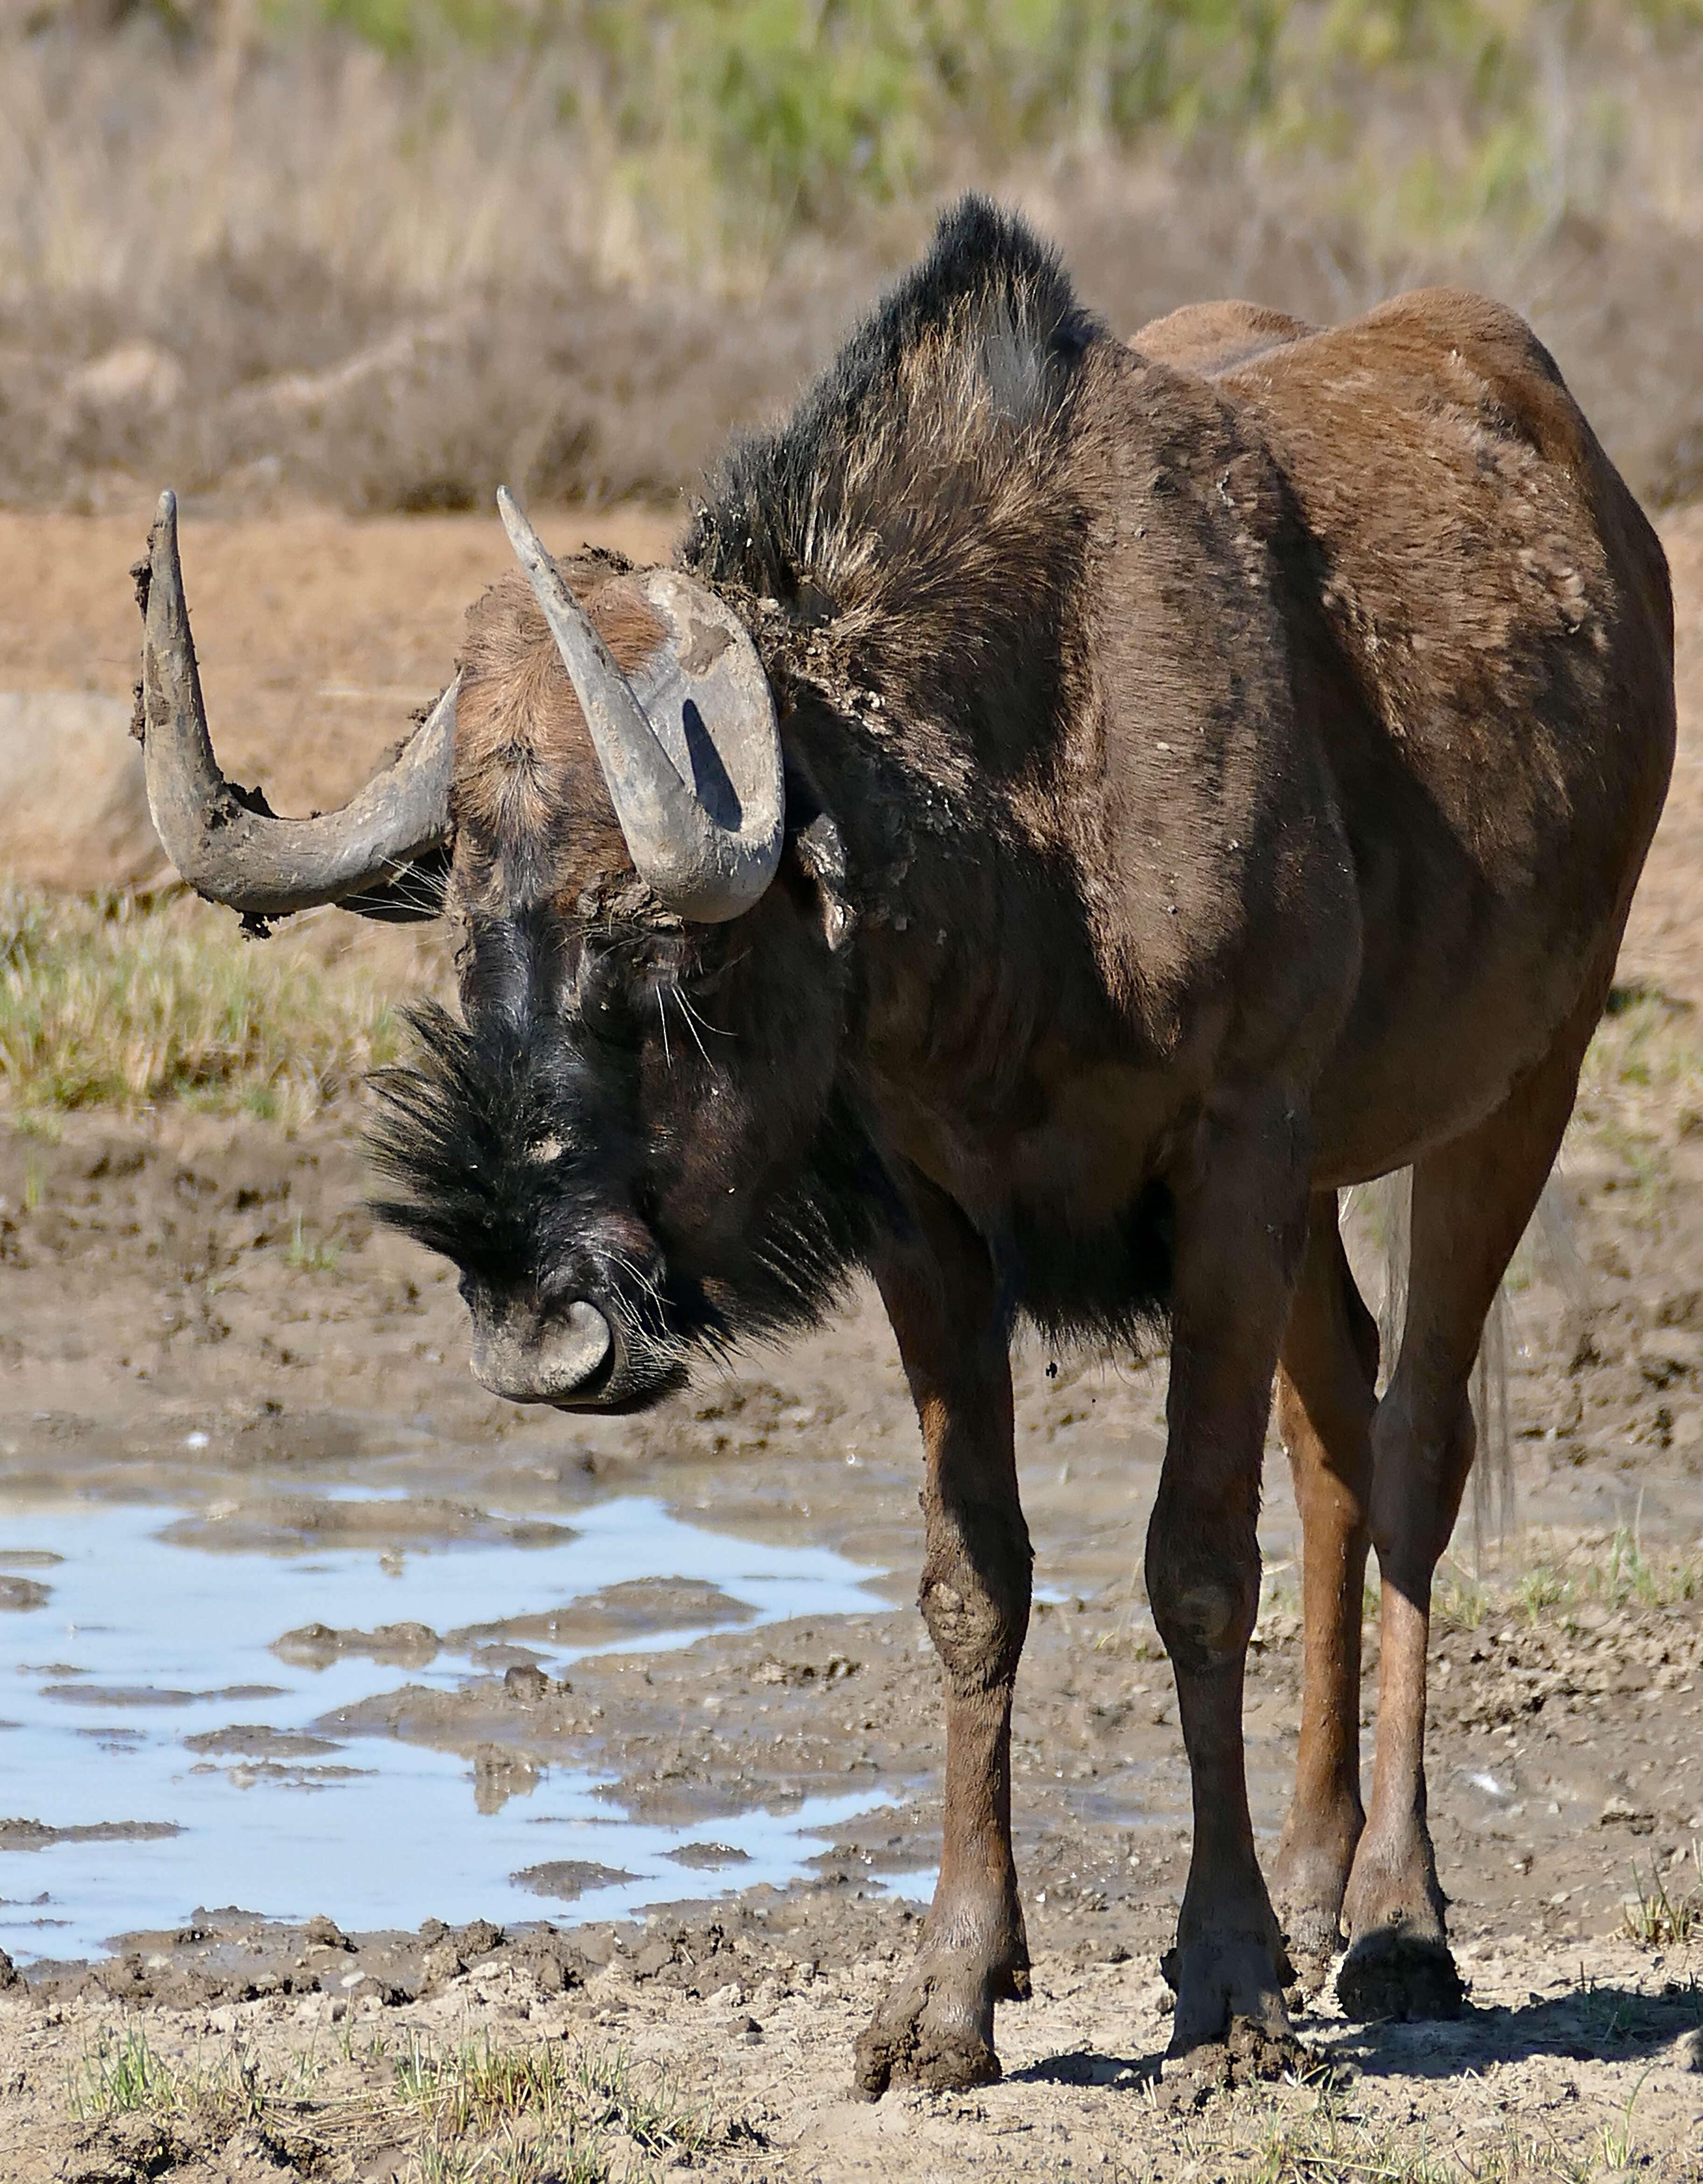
(1567, 1737)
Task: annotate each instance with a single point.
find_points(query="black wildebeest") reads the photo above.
(1073, 806)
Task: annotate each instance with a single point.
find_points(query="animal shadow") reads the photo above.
(1086, 2066)
(1587, 2024)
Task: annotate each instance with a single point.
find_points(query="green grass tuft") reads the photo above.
(544, 2115)
(1658, 1917)
(121, 2074)
(128, 1005)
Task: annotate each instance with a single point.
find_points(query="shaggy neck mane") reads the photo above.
(916, 501)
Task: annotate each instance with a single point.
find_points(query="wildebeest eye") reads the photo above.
(605, 997)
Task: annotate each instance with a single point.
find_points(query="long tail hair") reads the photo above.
(1383, 1211)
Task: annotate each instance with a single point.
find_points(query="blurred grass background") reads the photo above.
(381, 253)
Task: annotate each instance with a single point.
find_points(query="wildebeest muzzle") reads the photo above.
(557, 1354)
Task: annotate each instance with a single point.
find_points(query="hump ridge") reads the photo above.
(953, 391)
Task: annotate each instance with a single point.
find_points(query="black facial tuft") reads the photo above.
(505, 1143)
(456, 1130)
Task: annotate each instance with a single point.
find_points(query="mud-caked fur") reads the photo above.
(1218, 770)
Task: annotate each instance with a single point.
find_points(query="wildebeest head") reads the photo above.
(632, 1143)
(651, 1129)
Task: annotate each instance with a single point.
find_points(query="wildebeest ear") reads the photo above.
(819, 855)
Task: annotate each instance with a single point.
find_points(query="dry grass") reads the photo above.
(1319, 2133)
(557, 2108)
(552, 2113)
(577, 2111)
(122, 1004)
(387, 263)
(1660, 1916)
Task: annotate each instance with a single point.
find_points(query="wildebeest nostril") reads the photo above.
(540, 1361)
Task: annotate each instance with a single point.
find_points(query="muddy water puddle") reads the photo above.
(166, 1683)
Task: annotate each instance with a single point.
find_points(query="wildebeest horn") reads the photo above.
(691, 756)
(263, 865)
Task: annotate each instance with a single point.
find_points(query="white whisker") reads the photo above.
(692, 1027)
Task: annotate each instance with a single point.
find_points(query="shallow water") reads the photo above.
(144, 1640)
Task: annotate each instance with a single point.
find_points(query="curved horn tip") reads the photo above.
(162, 536)
(522, 538)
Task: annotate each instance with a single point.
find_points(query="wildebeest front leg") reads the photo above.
(935, 2028)
(1240, 1228)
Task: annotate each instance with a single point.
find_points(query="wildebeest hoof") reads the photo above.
(1398, 1971)
(936, 2030)
(1251, 2052)
(1309, 1971)
(1228, 1975)
(1312, 1937)
(937, 2061)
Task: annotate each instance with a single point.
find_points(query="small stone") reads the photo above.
(441, 1964)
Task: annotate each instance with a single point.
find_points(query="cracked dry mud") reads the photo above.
(150, 1295)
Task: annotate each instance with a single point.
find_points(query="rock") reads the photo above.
(554, 1963)
(441, 1964)
(653, 1957)
(73, 801)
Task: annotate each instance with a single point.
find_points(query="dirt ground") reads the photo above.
(1566, 1744)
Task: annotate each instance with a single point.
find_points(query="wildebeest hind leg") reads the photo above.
(935, 2027)
(1472, 1200)
(1241, 1229)
(1326, 1383)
